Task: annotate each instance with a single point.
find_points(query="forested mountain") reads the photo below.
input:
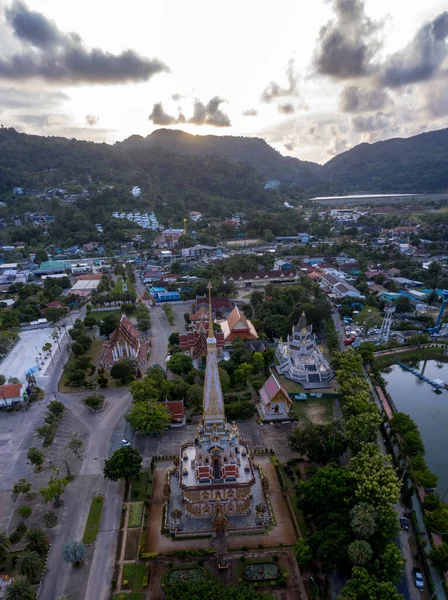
(248, 150)
(415, 164)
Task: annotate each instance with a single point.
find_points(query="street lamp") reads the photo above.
(317, 587)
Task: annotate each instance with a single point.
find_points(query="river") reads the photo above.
(428, 409)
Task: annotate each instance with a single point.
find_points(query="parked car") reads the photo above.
(125, 443)
(349, 341)
(404, 523)
(418, 578)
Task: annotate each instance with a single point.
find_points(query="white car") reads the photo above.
(125, 443)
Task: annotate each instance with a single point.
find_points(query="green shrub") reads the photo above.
(18, 533)
(25, 511)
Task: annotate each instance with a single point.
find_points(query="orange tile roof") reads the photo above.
(11, 390)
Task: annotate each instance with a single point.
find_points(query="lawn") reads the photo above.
(118, 288)
(94, 353)
(133, 596)
(313, 410)
(139, 487)
(100, 314)
(93, 520)
(134, 573)
(135, 514)
(130, 285)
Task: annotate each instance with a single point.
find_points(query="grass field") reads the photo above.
(139, 487)
(118, 287)
(93, 520)
(134, 574)
(100, 314)
(313, 410)
(135, 514)
(130, 285)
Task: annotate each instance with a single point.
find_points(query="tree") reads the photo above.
(320, 443)
(412, 444)
(36, 457)
(21, 589)
(124, 370)
(439, 557)
(360, 552)
(75, 445)
(364, 586)
(54, 490)
(434, 274)
(243, 372)
(29, 564)
(22, 487)
(78, 349)
(74, 552)
(369, 317)
(40, 257)
(362, 428)
(392, 563)
(36, 541)
(94, 401)
(303, 553)
(402, 423)
(125, 463)
(180, 363)
(54, 314)
(174, 339)
(90, 321)
(403, 304)
(363, 521)
(109, 324)
(148, 417)
(85, 341)
(2, 380)
(330, 488)
(257, 362)
(5, 545)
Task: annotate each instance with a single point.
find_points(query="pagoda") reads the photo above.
(214, 485)
(195, 342)
(301, 359)
(125, 342)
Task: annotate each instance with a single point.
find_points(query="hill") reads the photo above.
(415, 164)
(248, 150)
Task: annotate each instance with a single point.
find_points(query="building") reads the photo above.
(195, 216)
(214, 485)
(237, 326)
(51, 267)
(261, 278)
(282, 265)
(300, 358)
(10, 394)
(274, 400)
(125, 342)
(177, 411)
(198, 251)
(195, 342)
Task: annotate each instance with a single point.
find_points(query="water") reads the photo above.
(428, 409)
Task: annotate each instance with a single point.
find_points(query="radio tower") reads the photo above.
(387, 322)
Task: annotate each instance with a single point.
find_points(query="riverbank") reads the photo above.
(432, 353)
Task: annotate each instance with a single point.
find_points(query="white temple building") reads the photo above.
(301, 359)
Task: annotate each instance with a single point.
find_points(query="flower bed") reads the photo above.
(93, 520)
(185, 574)
(135, 514)
(265, 571)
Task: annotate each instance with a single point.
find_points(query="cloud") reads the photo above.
(210, 113)
(347, 44)
(339, 142)
(355, 99)
(92, 120)
(13, 98)
(421, 58)
(377, 122)
(437, 101)
(286, 109)
(250, 112)
(176, 97)
(160, 117)
(55, 56)
(274, 90)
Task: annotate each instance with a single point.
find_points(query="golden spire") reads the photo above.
(211, 333)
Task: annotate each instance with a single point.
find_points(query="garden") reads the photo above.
(261, 571)
(190, 574)
(134, 575)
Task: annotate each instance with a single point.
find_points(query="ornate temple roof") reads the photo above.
(271, 389)
(302, 325)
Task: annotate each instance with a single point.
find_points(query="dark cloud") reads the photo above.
(289, 146)
(355, 99)
(56, 56)
(160, 117)
(92, 120)
(250, 112)
(421, 58)
(347, 44)
(286, 109)
(377, 122)
(176, 97)
(274, 90)
(210, 113)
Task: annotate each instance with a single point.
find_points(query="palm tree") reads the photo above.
(359, 552)
(29, 564)
(21, 589)
(36, 540)
(5, 545)
(363, 520)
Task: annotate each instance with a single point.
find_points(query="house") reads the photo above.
(274, 400)
(261, 278)
(237, 326)
(282, 265)
(10, 394)
(125, 342)
(195, 216)
(198, 250)
(53, 304)
(177, 410)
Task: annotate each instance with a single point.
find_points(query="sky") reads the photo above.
(311, 77)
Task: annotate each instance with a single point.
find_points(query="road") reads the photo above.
(339, 328)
